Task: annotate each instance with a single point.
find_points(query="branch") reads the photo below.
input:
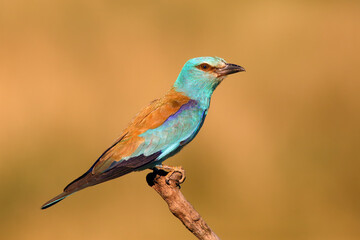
(167, 185)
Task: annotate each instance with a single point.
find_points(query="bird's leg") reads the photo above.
(171, 171)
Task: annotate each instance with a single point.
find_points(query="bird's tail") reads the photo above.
(56, 199)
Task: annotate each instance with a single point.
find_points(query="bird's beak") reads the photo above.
(229, 69)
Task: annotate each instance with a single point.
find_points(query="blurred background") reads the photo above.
(278, 155)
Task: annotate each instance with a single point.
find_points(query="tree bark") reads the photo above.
(167, 185)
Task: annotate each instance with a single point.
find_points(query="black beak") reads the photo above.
(229, 69)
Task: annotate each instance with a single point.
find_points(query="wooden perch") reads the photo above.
(167, 185)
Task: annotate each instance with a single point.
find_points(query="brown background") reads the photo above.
(277, 158)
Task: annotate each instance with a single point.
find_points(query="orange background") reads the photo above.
(278, 155)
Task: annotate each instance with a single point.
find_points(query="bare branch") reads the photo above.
(167, 185)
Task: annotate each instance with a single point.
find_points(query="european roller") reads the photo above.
(162, 128)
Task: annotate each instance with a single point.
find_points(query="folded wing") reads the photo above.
(156, 132)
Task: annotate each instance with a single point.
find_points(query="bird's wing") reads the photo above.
(154, 133)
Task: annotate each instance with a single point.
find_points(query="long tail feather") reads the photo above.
(56, 199)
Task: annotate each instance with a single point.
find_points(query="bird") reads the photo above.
(161, 129)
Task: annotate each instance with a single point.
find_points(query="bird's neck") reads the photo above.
(200, 90)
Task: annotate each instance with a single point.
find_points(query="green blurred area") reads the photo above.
(277, 158)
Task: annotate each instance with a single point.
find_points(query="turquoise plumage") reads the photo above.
(161, 129)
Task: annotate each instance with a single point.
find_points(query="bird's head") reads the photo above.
(200, 76)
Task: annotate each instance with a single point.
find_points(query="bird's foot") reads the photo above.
(170, 173)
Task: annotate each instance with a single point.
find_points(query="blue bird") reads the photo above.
(162, 128)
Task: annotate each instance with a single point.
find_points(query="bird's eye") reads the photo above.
(204, 66)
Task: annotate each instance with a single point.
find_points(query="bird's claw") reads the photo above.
(170, 172)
